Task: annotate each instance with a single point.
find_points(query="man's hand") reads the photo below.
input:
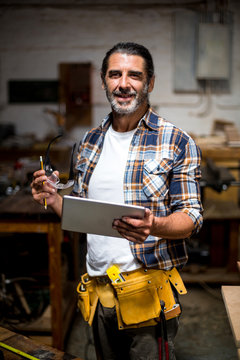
(178, 225)
(136, 230)
(41, 190)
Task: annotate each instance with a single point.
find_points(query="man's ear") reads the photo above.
(151, 84)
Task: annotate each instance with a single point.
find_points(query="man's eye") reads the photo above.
(114, 75)
(135, 76)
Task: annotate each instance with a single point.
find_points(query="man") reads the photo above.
(135, 157)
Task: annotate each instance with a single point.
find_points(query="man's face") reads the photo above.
(126, 84)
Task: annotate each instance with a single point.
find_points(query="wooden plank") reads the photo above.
(231, 297)
(5, 334)
(23, 227)
(42, 339)
(55, 274)
(28, 346)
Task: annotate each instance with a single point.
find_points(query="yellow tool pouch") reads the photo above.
(137, 299)
(139, 296)
(87, 298)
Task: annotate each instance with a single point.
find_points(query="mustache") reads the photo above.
(124, 92)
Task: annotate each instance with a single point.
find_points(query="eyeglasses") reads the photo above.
(52, 178)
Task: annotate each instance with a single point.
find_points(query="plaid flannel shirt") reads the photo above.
(162, 173)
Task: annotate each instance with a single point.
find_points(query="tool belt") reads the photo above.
(137, 299)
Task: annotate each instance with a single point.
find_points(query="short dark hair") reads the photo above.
(130, 48)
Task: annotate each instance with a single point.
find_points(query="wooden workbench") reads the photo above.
(222, 209)
(28, 346)
(21, 214)
(231, 297)
(223, 215)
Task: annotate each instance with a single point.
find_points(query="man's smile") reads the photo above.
(124, 97)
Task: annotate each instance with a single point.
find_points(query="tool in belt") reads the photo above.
(162, 335)
(137, 296)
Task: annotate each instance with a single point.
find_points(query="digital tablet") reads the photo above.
(95, 217)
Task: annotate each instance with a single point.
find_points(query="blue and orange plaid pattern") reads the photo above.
(162, 173)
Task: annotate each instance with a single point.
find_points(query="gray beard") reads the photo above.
(137, 101)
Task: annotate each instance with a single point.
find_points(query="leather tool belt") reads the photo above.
(137, 299)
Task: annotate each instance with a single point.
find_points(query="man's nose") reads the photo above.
(123, 82)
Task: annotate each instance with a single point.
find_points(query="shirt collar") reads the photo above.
(106, 122)
(150, 118)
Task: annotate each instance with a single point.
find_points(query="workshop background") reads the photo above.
(50, 59)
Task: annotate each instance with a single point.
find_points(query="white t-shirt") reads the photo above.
(106, 184)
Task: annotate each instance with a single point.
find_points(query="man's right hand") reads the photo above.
(41, 190)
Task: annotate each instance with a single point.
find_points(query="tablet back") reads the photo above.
(95, 217)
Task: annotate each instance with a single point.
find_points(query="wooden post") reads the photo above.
(54, 245)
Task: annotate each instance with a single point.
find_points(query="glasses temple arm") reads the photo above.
(47, 163)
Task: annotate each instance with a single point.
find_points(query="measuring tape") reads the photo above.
(19, 352)
(114, 274)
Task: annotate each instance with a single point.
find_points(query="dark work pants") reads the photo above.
(129, 344)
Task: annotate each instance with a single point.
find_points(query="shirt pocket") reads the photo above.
(156, 177)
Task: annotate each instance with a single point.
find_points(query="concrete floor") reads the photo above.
(204, 332)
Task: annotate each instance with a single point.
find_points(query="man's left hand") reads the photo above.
(136, 230)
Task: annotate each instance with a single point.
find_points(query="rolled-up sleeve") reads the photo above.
(185, 184)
